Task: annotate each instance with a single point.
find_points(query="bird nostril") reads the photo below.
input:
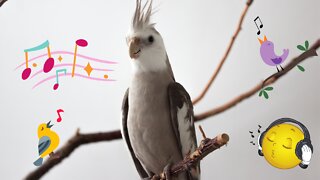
(136, 40)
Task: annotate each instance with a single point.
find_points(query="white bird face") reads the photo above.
(142, 40)
(146, 47)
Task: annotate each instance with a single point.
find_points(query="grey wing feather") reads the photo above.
(125, 134)
(183, 120)
(44, 143)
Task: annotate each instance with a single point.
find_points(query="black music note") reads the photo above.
(252, 143)
(261, 25)
(251, 134)
(259, 128)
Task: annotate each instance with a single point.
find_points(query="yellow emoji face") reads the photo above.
(279, 145)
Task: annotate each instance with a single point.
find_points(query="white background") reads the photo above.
(196, 34)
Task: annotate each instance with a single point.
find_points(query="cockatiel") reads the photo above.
(157, 113)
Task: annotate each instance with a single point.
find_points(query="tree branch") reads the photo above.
(206, 146)
(305, 55)
(63, 152)
(2, 2)
(216, 72)
(273, 79)
(80, 139)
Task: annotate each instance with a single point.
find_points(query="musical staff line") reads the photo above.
(69, 74)
(69, 53)
(70, 65)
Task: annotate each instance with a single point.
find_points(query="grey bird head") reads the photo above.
(144, 41)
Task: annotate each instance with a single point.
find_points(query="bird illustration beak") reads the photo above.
(134, 48)
(49, 125)
(264, 39)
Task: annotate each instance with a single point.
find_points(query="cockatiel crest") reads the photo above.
(141, 19)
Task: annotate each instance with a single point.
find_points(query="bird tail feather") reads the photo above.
(38, 162)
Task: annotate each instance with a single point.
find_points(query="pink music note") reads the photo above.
(48, 65)
(59, 118)
(82, 43)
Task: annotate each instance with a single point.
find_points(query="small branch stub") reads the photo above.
(202, 132)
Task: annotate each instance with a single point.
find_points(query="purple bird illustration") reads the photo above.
(268, 55)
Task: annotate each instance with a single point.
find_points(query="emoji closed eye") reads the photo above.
(288, 143)
(272, 136)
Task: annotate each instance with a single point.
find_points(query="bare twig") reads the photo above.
(207, 146)
(2, 2)
(255, 89)
(202, 132)
(77, 140)
(217, 70)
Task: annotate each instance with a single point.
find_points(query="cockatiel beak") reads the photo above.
(264, 39)
(134, 48)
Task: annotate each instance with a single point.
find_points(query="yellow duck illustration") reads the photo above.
(48, 142)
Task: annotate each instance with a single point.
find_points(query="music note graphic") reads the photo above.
(48, 65)
(251, 134)
(56, 86)
(259, 128)
(59, 118)
(82, 43)
(252, 143)
(261, 25)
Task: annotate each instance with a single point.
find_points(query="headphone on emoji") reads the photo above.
(305, 141)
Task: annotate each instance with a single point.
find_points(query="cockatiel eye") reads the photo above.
(150, 39)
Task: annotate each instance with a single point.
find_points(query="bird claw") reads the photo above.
(148, 178)
(166, 172)
(151, 178)
(54, 155)
(281, 67)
